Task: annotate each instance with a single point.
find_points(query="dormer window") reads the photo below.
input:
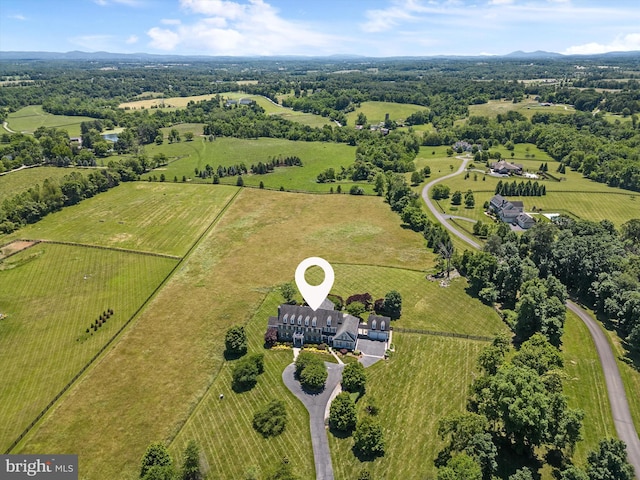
(306, 321)
(284, 319)
(314, 321)
(329, 321)
(382, 325)
(300, 320)
(373, 324)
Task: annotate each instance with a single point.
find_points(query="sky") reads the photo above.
(375, 28)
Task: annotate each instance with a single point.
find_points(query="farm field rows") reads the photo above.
(28, 119)
(16, 182)
(527, 108)
(179, 337)
(51, 295)
(316, 157)
(153, 217)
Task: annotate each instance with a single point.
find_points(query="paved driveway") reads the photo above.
(316, 404)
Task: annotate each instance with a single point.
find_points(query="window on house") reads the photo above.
(306, 321)
(314, 321)
(284, 319)
(373, 324)
(329, 321)
(300, 320)
(382, 325)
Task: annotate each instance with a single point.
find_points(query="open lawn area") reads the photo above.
(176, 343)
(21, 180)
(527, 107)
(185, 157)
(376, 111)
(426, 378)
(152, 217)
(171, 102)
(51, 295)
(28, 119)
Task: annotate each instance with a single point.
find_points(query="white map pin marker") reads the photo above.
(314, 295)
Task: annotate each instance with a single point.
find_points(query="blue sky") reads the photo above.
(376, 28)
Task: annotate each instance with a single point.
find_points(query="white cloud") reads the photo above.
(170, 21)
(128, 3)
(235, 28)
(18, 16)
(132, 39)
(500, 2)
(622, 43)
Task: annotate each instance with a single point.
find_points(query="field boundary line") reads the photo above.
(135, 314)
(380, 266)
(435, 333)
(103, 247)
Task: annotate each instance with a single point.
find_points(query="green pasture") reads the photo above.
(152, 217)
(51, 294)
(176, 344)
(28, 119)
(185, 157)
(223, 428)
(376, 111)
(527, 108)
(15, 182)
(426, 378)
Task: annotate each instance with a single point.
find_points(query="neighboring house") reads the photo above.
(525, 221)
(506, 168)
(507, 211)
(242, 101)
(300, 324)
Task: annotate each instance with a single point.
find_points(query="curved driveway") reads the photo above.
(442, 218)
(615, 388)
(316, 404)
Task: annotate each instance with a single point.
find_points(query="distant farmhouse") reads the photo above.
(300, 324)
(506, 168)
(243, 101)
(511, 212)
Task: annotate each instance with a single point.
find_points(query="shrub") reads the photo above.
(337, 301)
(342, 413)
(304, 359)
(313, 376)
(235, 341)
(155, 456)
(354, 378)
(245, 372)
(271, 337)
(271, 420)
(363, 298)
(356, 190)
(356, 309)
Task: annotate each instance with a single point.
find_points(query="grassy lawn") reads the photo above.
(316, 157)
(51, 294)
(16, 182)
(223, 429)
(171, 102)
(426, 378)
(174, 350)
(376, 111)
(152, 217)
(28, 119)
(585, 386)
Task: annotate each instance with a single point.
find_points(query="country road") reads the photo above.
(442, 217)
(615, 388)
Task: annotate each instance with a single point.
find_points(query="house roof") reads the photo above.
(504, 165)
(378, 319)
(348, 329)
(525, 219)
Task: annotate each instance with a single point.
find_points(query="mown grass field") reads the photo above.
(28, 119)
(152, 217)
(527, 108)
(223, 428)
(316, 157)
(376, 111)
(16, 182)
(170, 102)
(426, 378)
(175, 349)
(585, 386)
(51, 294)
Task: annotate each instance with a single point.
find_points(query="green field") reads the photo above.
(152, 217)
(16, 182)
(51, 294)
(427, 378)
(185, 157)
(376, 111)
(28, 119)
(176, 345)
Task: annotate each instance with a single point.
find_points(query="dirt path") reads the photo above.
(6, 127)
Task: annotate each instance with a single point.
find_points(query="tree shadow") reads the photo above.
(228, 355)
(342, 434)
(364, 456)
(509, 461)
(241, 387)
(312, 391)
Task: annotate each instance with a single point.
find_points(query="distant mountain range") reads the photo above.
(150, 57)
